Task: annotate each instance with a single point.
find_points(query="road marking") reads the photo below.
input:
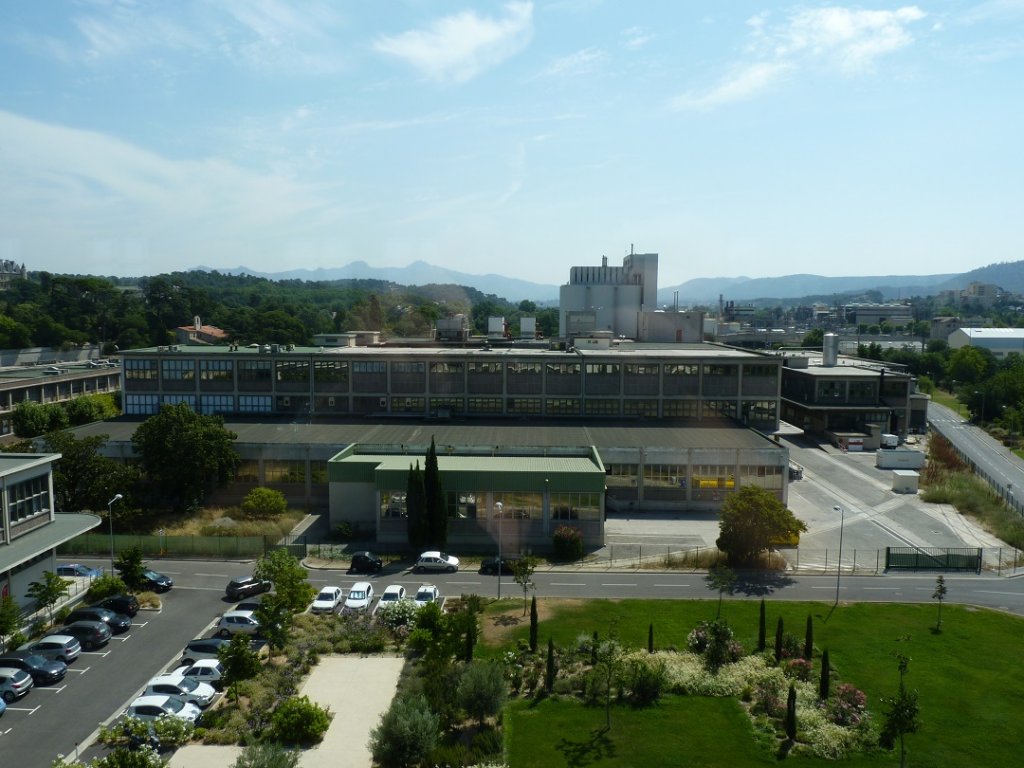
(7, 731)
(471, 583)
(50, 688)
(134, 624)
(882, 589)
(821, 587)
(219, 575)
(568, 584)
(22, 709)
(122, 638)
(671, 585)
(994, 592)
(95, 653)
(79, 671)
(617, 584)
(202, 589)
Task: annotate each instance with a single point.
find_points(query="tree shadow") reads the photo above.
(507, 620)
(580, 753)
(760, 583)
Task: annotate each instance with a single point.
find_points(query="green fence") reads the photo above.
(168, 546)
(933, 559)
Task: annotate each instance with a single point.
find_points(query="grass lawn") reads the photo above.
(969, 676)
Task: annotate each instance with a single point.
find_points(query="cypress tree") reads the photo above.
(825, 672)
(549, 672)
(791, 713)
(650, 638)
(533, 625)
(809, 639)
(761, 629)
(415, 508)
(436, 513)
(778, 641)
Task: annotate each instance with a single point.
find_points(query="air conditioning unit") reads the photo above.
(330, 402)
(383, 402)
(408, 402)
(286, 402)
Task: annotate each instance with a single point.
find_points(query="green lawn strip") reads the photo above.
(970, 682)
(681, 730)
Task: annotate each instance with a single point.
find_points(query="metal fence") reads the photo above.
(1004, 561)
(156, 545)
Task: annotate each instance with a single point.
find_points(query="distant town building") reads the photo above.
(197, 333)
(609, 298)
(896, 315)
(943, 326)
(11, 270)
(999, 341)
(984, 294)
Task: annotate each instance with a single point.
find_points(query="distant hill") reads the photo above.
(417, 273)
(707, 290)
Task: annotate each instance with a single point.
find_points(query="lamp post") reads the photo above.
(839, 566)
(498, 507)
(110, 520)
(981, 414)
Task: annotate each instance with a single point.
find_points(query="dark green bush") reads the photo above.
(105, 586)
(407, 733)
(300, 721)
(568, 543)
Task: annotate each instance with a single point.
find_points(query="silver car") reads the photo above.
(56, 648)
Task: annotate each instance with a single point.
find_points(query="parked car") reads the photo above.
(152, 707)
(126, 604)
(327, 601)
(3, 705)
(56, 648)
(204, 671)
(246, 586)
(365, 562)
(91, 634)
(437, 561)
(14, 683)
(506, 564)
(186, 688)
(202, 648)
(78, 571)
(391, 595)
(42, 670)
(118, 622)
(427, 593)
(359, 597)
(157, 582)
(233, 622)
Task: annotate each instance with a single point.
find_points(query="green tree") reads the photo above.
(761, 628)
(48, 591)
(407, 733)
(901, 714)
(650, 637)
(826, 671)
(790, 722)
(482, 690)
(297, 720)
(185, 455)
(610, 657)
(522, 572)
(809, 638)
(814, 338)
(85, 479)
(778, 640)
(969, 365)
(722, 578)
(10, 618)
(940, 595)
(418, 526)
(240, 662)
(130, 568)
(30, 419)
(750, 521)
(436, 509)
(533, 625)
(290, 579)
(264, 503)
(267, 754)
(275, 618)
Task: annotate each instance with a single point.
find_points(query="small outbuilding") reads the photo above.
(905, 480)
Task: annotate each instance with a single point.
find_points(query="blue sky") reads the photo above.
(523, 138)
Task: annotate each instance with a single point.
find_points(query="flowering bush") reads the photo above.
(398, 614)
(568, 543)
(714, 641)
(800, 669)
(847, 708)
(697, 640)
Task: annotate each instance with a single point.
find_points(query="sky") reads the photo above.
(520, 138)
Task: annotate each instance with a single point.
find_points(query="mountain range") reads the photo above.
(706, 290)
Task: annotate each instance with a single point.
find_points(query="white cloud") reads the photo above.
(578, 63)
(848, 40)
(457, 48)
(636, 37)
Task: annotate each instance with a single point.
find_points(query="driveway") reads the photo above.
(357, 689)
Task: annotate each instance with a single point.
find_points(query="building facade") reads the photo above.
(999, 341)
(608, 299)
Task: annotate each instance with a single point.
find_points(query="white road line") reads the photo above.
(219, 575)
(7, 731)
(469, 583)
(49, 688)
(617, 584)
(135, 624)
(122, 638)
(568, 584)
(22, 709)
(994, 592)
(79, 671)
(882, 589)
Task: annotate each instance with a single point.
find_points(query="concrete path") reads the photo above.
(358, 690)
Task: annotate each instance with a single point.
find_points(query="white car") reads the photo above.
(234, 622)
(427, 593)
(56, 648)
(359, 597)
(204, 671)
(186, 688)
(327, 601)
(437, 561)
(391, 595)
(152, 707)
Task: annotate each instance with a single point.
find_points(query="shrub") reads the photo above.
(267, 755)
(105, 586)
(300, 721)
(264, 503)
(568, 543)
(481, 690)
(768, 696)
(847, 708)
(647, 682)
(407, 733)
(399, 614)
(799, 669)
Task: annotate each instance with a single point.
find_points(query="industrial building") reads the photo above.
(999, 341)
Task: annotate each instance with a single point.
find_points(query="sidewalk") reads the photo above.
(357, 689)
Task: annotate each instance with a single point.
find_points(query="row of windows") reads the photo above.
(147, 405)
(499, 505)
(281, 471)
(28, 498)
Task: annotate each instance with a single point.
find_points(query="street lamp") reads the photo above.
(498, 507)
(839, 567)
(981, 414)
(110, 519)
